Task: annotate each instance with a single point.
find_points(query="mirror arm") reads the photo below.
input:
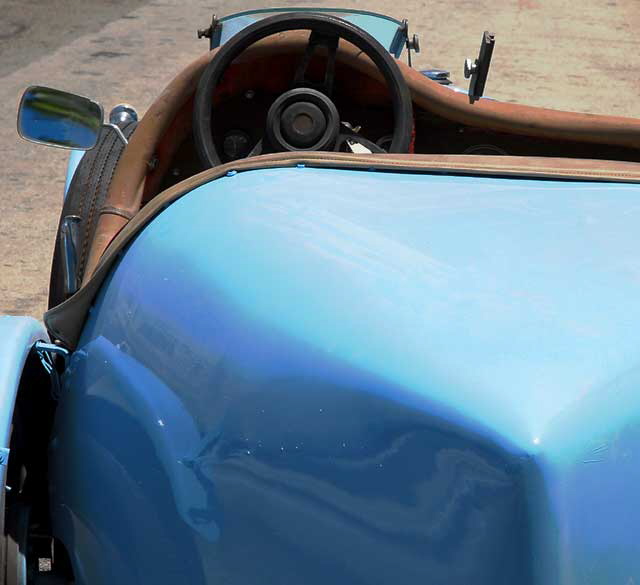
(121, 136)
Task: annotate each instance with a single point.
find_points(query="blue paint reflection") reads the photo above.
(306, 465)
(342, 387)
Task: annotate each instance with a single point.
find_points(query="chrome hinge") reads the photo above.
(478, 70)
(402, 39)
(440, 76)
(213, 32)
(47, 353)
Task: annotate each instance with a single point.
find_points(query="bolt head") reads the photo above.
(123, 114)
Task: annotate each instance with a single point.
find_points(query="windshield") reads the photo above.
(389, 32)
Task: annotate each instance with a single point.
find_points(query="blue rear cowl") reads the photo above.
(343, 377)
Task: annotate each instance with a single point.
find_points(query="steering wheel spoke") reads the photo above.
(257, 149)
(318, 40)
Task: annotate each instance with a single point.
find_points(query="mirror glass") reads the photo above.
(57, 118)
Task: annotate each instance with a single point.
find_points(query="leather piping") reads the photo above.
(115, 211)
(127, 187)
(65, 321)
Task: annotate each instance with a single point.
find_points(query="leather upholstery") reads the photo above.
(164, 116)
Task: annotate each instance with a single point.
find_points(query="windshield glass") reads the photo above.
(389, 32)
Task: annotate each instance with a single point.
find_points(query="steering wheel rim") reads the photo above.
(319, 23)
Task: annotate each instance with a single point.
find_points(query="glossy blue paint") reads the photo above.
(75, 156)
(17, 336)
(324, 376)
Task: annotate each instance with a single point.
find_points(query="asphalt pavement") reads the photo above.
(31, 29)
(580, 56)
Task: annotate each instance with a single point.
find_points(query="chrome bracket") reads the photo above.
(213, 32)
(478, 69)
(401, 39)
(121, 136)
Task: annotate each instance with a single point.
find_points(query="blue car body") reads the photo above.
(316, 375)
(17, 338)
(75, 156)
(319, 368)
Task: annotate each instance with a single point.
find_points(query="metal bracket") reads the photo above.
(47, 353)
(479, 69)
(47, 349)
(401, 39)
(413, 44)
(69, 244)
(440, 76)
(212, 32)
(121, 136)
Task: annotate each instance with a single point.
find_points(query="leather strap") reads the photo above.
(107, 209)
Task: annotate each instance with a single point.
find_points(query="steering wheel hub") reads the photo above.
(302, 124)
(302, 119)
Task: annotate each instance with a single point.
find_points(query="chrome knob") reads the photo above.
(470, 67)
(123, 114)
(414, 43)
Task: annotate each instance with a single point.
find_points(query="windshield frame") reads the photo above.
(396, 46)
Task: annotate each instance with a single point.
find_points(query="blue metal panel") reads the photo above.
(17, 336)
(75, 156)
(337, 376)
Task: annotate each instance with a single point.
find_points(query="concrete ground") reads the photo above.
(580, 56)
